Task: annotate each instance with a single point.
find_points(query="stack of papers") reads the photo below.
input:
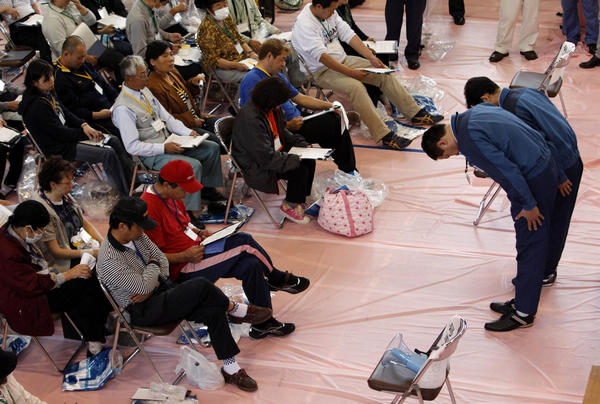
(5, 213)
(115, 20)
(187, 142)
(7, 135)
(383, 46)
(311, 153)
(377, 70)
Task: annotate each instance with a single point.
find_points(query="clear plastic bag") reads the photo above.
(423, 85)
(375, 189)
(199, 370)
(27, 184)
(435, 48)
(96, 198)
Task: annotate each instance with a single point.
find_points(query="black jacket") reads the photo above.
(253, 148)
(42, 121)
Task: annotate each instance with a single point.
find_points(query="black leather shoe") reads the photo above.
(593, 62)
(413, 64)
(497, 56)
(549, 279)
(459, 19)
(592, 48)
(509, 321)
(503, 307)
(529, 55)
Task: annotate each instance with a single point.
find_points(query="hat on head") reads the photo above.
(8, 363)
(133, 210)
(180, 172)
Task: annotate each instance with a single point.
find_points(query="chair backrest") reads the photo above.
(224, 130)
(34, 143)
(311, 80)
(555, 71)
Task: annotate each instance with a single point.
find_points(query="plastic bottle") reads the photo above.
(411, 361)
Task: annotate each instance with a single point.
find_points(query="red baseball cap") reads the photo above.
(180, 172)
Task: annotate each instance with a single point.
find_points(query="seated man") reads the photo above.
(222, 46)
(145, 125)
(142, 26)
(81, 89)
(316, 37)
(59, 132)
(15, 13)
(324, 129)
(260, 145)
(533, 107)
(136, 273)
(238, 256)
(516, 157)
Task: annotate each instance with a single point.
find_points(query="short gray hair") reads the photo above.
(129, 65)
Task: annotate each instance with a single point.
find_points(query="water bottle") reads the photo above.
(411, 361)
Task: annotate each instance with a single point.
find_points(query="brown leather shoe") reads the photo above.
(255, 315)
(240, 379)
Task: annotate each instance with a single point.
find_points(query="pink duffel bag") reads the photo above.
(346, 212)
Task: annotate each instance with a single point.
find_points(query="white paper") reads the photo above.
(190, 53)
(382, 46)
(35, 19)
(88, 259)
(5, 213)
(179, 61)
(90, 142)
(311, 153)
(187, 141)
(284, 36)
(115, 20)
(103, 12)
(6, 135)
(249, 62)
(345, 123)
(147, 394)
(377, 70)
(86, 34)
(222, 233)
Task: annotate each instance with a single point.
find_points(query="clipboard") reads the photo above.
(224, 232)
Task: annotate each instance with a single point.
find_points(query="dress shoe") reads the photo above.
(593, 62)
(459, 19)
(503, 307)
(254, 315)
(240, 379)
(497, 56)
(529, 55)
(592, 48)
(413, 64)
(510, 321)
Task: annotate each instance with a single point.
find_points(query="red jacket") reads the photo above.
(23, 291)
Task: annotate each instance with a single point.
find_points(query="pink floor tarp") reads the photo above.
(424, 262)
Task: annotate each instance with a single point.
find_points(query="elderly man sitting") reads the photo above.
(145, 125)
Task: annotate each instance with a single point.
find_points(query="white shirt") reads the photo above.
(125, 119)
(12, 390)
(312, 37)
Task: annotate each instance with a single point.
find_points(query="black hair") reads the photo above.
(206, 4)
(54, 170)
(29, 213)
(430, 139)
(476, 87)
(37, 69)
(323, 3)
(270, 93)
(161, 181)
(155, 49)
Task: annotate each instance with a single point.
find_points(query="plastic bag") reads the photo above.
(423, 85)
(89, 374)
(27, 184)
(96, 198)
(237, 213)
(16, 343)
(435, 48)
(199, 370)
(375, 189)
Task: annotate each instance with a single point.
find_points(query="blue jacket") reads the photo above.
(503, 146)
(533, 107)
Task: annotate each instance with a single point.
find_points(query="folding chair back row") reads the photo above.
(310, 83)
(139, 167)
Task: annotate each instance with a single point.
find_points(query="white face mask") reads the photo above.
(222, 13)
(36, 237)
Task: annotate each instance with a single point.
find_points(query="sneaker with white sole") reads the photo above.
(296, 214)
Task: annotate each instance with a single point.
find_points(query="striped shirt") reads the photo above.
(126, 273)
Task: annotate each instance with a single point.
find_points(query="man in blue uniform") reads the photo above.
(516, 157)
(533, 107)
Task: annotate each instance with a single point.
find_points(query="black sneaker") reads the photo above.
(413, 64)
(272, 328)
(212, 195)
(529, 55)
(497, 56)
(290, 283)
(503, 307)
(425, 118)
(459, 19)
(393, 141)
(593, 62)
(592, 48)
(549, 279)
(509, 321)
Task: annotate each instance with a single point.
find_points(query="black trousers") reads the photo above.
(325, 130)
(105, 126)
(15, 159)
(195, 300)
(394, 10)
(456, 8)
(85, 303)
(32, 37)
(299, 181)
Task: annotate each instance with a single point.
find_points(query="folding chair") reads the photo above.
(164, 329)
(55, 316)
(311, 82)
(223, 130)
(140, 167)
(14, 56)
(396, 378)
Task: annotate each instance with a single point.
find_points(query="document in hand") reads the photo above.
(311, 153)
(249, 62)
(115, 20)
(316, 114)
(34, 19)
(92, 44)
(5, 213)
(97, 143)
(227, 231)
(383, 46)
(8, 135)
(187, 142)
(377, 70)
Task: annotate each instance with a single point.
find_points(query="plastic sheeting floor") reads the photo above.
(424, 262)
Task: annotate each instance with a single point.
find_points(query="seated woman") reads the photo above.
(30, 291)
(222, 46)
(63, 233)
(173, 91)
(59, 132)
(260, 145)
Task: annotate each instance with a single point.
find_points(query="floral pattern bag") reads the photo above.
(346, 212)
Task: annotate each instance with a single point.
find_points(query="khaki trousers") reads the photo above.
(359, 98)
(509, 12)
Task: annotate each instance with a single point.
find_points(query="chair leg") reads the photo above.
(277, 223)
(562, 102)
(5, 335)
(135, 170)
(450, 392)
(230, 198)
(484, 205)
(419, 395)
(81, 344)
(35, 339)
(206, 90)
(141, 349)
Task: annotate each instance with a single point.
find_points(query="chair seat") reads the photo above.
(17, 58)
(164, 329)
(527, 80)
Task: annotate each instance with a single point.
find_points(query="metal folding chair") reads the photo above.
(223, 130)
(141, 168)
(310, 82)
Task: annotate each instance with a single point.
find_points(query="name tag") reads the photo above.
(61, 118)
(157, 36)
(158, 125)
(277, 143)
(177, 18)
(98, 88)
(103, 12)
(239, 48)
(243, 27)
(191, 234)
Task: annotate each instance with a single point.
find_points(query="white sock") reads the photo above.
(239, 310)
(520, 313)
(231, 366)
(95, 347)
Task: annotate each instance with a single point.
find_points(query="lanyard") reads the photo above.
(327, 33)
(65, 205)
(176, 213)
(63, 13)
(151, 15)
(225, 30)
(147, 106)
(11, 397)
(52, 103)
(262, 70)
(138, 253)
(67, 70)
(173, 83)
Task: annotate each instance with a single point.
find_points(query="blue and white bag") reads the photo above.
(90, 374)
